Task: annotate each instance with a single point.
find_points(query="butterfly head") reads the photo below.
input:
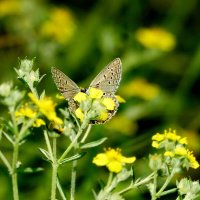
(83, 90)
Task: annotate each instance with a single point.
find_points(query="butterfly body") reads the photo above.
(107, 80)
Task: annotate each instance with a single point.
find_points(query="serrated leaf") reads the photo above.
(46, 154)
(94, 143)
(74, 157)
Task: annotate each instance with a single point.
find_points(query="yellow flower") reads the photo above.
(141, 88)
(79, 113)
(120, 99)
(9, 7)
(38, 123)
(108, 103)
(25, 111)
(155, 144)
(193, 162)
(81, 96)
(93, 105)
(113, 160)
(156, 38)
(169, 153)
(103, 116)
(181, 151)
(95, 93)
(60, 26)
(172, 135)
(46, 107)
(183, 140)
(158, 137)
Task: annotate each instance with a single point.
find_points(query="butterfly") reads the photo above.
(107, 80)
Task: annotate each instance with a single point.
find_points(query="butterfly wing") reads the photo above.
(67, 87)
(109, 78)
(108, 81)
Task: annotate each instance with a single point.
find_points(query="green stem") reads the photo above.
(109, 179)
(14, 171)
(34, 91)
(5, 161)
(137, 184)
(154, 184)
(73, 175)
(25, 127)
(86, 133)
(60, 189)
(54, 172)
(159, 193)
(48, 144)
(80, 131)
(169, 191)
(73, 180)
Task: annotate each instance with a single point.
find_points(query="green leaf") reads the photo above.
(74, 157)
(8, 138)
(1, 132)
(94, 143)
(46, 154)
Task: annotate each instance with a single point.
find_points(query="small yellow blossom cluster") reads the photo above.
(113, 160)
(93, 105)
(60, 26)
(47, 107)
(27, 112)
(175, 147)
(156, 38)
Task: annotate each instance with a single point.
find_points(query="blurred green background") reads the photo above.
(159, 45)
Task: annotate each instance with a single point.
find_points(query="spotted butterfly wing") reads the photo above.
(108, 81)
(67, 87)
(109, 78)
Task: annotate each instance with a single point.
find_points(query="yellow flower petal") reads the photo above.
(120, 99)
(38, 123)
(183, 141)
(155, 144)
(95, 93)
(103, 116)
(193, 162)
(100, 160)
(172, 135)
(108, 103)
(79, 113)
(26, 112)
(81, 96)
(169, 153)
(158, 137)
(115, 166)
(180, 151)
(46, 107)
(113, 160)
(128, 160)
